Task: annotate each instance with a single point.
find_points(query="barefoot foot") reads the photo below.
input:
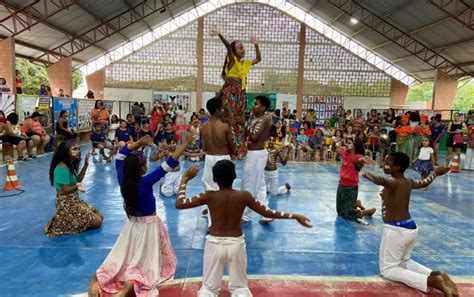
(359, 205)
(288, 187)
(438, 282)
(368, 212)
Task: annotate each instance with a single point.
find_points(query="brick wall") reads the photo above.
(60, 77)
(7, 62)
(398, 93)
(444, 91)
(96, 82)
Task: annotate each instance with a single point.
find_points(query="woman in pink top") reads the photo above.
(32, 128)
(156, 116)
(353, 160)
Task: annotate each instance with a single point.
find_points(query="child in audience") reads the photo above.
(337, 142)
(99, 140)
(194, 151)
(225, 244)
(400, 231)
(151, 148)
(349, 134)
(271, 169)
(114, 125)
(347, 204)
(373, 143)
(318, 144)
(424, 165)
(130, 122)
(303, 149)
(135, 133)
(169, 132)
(122, 135)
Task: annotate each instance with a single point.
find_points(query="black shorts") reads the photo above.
(13, 139)
(29, 134)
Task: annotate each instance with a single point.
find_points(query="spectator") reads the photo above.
(62, 126)
(99, 114)
(19, 82)
(43, 91)
(61, 93)
(89, 95)
(32, 127)
(203, 116)
(156, 116)
(14, 136)
(3, 85)
(137, 113)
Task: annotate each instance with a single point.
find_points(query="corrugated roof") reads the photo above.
(427, 23)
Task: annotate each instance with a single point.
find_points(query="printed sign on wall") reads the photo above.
(69, 105)
(324, 106)
(26, 105)
(7, 103)
(84, 107)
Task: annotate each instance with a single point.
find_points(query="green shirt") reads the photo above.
(63, 176)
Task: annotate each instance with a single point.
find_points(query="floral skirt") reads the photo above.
(142, 255)
(235, 104)
(73, 215)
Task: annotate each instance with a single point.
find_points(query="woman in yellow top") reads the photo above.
(234, 73)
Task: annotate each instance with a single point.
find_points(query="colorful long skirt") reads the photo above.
(73, 215)
(404, 144)
(235, 104)
(141, 255)
(346, 202)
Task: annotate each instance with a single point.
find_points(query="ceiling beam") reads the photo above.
(415, 32)
(385, 16)
(465, 64)
(103, 30)
(459, 10)
(138, 15)
(393, 33)
(23, 19)
(98, 20)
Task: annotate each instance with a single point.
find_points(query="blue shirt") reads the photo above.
(436, 131)
(98, 137)
(122, 135)
(146, 199)
(143, 133)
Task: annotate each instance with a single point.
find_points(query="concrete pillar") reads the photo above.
(398, 93)
(96, 82)
(60, 77)
(7, 62)
(444, 91)
(200, 63)
(300, 79)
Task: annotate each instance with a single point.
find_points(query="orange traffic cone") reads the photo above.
(455, 164)
(11, 183)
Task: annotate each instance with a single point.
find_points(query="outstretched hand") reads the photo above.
(190, 137)
(441, 170)
(253, 40)
(304, 221)
(214, 32)
(145, 140)
(191, 172)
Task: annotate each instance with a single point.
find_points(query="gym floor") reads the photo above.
(334, 258)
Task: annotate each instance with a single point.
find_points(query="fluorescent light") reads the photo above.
(354, 20)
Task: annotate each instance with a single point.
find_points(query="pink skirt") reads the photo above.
(142, 254)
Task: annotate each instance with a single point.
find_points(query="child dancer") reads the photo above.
(142, 257)
(254, 165)
(425, 161)
(400, 230)
(225, 244)
(271, 169)
(403, 136)
(234, 73)
(347, 204)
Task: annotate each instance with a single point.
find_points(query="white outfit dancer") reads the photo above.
(394, 258)
(219, 252)
(171, 185)
(271, 181)
(207, 176)
(254, 178)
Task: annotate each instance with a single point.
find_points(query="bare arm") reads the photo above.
(145, 140)
(180, 149)
(258, 58)
(418, 184)
(378, 180)
(84, 169)
(227, 45)
(181, 201)
(262, 210)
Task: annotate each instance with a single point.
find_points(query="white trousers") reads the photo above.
(271, 181)
(207, 176)
(468, 161)
(171, 185)
(394, 258)
(219, 252)
(253, 179)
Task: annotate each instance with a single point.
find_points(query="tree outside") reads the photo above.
(34, 75)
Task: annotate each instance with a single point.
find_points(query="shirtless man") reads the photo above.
(225, 244)
(253, 179)
(218, 143)
(400, 230)
(271, 169)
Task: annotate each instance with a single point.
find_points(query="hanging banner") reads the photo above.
(84, 107)
(69, 105)
(324, 106)
(7, 103)
(26, 105)
(251, 99)
(44, 108)
(173, 98)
